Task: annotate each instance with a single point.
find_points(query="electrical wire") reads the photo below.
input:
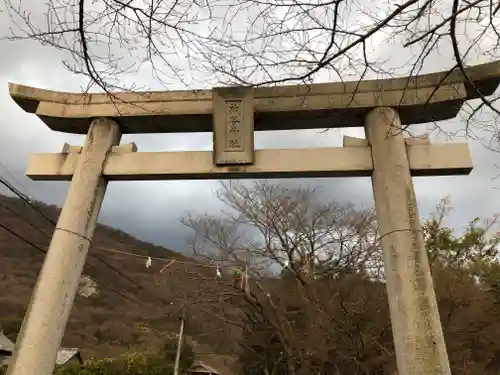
(7, 208)
(45, 252)
(100, 260)
(13, 177)
(27, 199)
(23, 197)
(102, 285)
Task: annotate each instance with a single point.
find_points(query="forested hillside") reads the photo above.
(135, 308)
(281, 281)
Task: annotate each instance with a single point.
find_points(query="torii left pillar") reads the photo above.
(48, 312)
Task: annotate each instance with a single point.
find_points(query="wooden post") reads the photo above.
(179, 346)
(48, 312)
(416, 327)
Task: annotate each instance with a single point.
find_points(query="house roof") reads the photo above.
(63, 355)
(5, 343)
(200, 366)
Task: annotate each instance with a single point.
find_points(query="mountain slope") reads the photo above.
(136, 307)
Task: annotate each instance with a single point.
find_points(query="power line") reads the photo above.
(45, 252)
(102, 261)
(22, 238)
(29, 201)
(13, 177)
(90, 278)
(7, 208)
(22, 196)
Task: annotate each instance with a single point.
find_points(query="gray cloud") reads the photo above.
(150, 210)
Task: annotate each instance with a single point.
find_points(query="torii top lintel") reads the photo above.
(419, 99)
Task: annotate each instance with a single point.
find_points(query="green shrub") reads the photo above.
(129, 364)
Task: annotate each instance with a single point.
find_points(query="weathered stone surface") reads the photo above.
(48, 311)
(348, 141)
(422, 139)
(128, 147)
(416, 327)
(340, 104)
(425, 160)
(233, 122)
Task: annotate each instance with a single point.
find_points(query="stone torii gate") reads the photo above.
(233, 114)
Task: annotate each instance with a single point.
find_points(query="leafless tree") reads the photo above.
(255, 41)
(271, 227)
(265, 42)
(298, 256)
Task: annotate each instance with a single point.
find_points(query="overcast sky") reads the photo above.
(150, 210)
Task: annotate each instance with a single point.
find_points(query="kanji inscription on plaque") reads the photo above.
(233, 125)
(234, 141)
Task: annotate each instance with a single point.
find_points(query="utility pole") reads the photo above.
(179, 344)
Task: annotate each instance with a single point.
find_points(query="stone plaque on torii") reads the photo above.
(233, 114)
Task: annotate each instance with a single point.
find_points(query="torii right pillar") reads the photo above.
(416, 326)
